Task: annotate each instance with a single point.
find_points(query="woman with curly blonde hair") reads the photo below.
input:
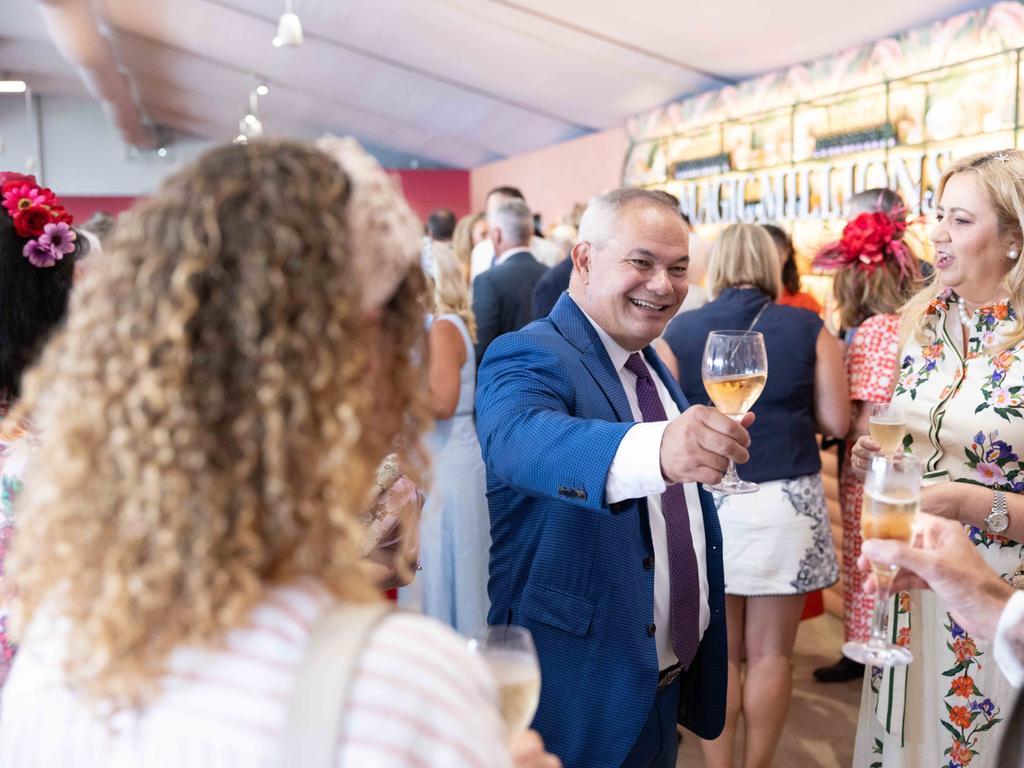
(211, 419)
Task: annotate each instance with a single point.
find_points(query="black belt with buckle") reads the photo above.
(668, 676)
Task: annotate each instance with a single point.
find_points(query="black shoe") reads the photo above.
(843, 670)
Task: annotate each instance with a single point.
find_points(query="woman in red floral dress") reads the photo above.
(876, 274)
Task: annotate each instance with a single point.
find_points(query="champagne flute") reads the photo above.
(509, 653)
(734, 372)
(887, 426)
(892, 495)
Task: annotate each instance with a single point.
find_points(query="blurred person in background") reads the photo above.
(470, 230)
(454, 528)
(961, 372)
(38, 255)
(868, 296)
(777, 543)
(484, 256)
(791, 294)
(441, 225)
(211, 421)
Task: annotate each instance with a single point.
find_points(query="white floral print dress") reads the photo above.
(965, 420)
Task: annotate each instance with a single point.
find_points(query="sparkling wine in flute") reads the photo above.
(518, 681)
(892, 495)
(887, 427)
(733, 395)
(734, 371)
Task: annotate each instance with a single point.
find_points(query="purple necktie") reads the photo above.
(683, 577)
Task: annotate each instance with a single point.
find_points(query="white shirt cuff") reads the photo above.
(636, 469)
(1007, 646)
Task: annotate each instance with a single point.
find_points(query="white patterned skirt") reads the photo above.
(777, 541)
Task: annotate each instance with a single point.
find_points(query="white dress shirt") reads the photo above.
(1008, 653)
(636, 473)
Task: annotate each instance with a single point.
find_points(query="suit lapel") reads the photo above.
(577, 330)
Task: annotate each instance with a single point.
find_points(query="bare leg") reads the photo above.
(770, 632)
(718, 753)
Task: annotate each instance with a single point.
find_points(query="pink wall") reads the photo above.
(555, 178)
(429, 189)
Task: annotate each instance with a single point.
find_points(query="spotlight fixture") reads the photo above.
(250, 126)
(12, 86)
(289, 28)
(262, 89)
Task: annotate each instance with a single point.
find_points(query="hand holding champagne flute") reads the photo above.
(887, 426)
(734, 372)
(892, 496)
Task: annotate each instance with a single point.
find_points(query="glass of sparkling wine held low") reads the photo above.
(509, 654)
(887, 427)
(735, 371)
(892, 495)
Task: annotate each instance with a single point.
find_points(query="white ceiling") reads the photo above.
(451, 82)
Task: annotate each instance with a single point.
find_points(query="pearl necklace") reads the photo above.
(964, 317)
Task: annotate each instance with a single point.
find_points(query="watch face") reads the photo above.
(997, 522)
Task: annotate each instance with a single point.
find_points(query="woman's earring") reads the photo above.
(1013, 254)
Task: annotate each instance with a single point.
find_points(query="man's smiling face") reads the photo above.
(633, 283)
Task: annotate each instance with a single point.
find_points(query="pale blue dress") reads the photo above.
(455, 535)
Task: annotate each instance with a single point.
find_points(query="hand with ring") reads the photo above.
(864, 450)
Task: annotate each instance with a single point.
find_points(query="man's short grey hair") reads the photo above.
(599, 219)
(514, 219)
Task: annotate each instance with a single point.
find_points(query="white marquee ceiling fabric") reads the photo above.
(452, 82)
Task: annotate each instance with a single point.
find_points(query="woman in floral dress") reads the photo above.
(868, 294)
(961, 385)
(38, 252)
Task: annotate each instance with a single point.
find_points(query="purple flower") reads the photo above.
(907, 361)
(998, 376)
(956, 630)
(41, 255)
(60, 237)
(1005, 451)
(979, 439)
(986, 706)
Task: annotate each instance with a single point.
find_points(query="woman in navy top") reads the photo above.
(777, 542)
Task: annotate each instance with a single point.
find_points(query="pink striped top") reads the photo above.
(418, 700)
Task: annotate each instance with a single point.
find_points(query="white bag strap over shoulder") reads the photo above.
(323, 684)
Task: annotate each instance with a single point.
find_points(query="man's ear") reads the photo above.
(581, 258)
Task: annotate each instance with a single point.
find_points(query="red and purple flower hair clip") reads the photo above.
(39, 217)
(869, 239)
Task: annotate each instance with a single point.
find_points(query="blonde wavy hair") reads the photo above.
(212, 415)
(1001, 176)
(744, 254)
(462, 242)
(449, 289)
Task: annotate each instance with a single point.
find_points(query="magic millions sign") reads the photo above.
(812, 190)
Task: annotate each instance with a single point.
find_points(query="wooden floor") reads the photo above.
(822, 720)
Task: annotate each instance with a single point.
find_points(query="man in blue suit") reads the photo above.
(603, 544)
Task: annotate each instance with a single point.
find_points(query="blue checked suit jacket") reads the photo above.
(551, 412)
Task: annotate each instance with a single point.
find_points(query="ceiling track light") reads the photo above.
(13, 86)
(289, 28)
(250, 127)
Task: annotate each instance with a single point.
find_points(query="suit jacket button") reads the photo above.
(581, 495)
(648, 563)
(651, 630)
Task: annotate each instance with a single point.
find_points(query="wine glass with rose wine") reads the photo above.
(735, 371)
(509, 654)
(887, 426)
(892, 496)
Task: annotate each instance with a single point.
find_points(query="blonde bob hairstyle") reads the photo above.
(451, 296)
(744, 254)
(212, 415)
(1001, 177)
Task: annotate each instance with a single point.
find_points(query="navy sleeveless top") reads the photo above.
(782, 439)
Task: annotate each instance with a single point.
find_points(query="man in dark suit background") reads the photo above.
(551, 286)
(503, 295)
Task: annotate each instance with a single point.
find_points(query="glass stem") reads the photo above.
(880, 614)
(730, 477)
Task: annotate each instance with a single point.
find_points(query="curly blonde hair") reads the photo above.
(213, 413)
(1001, 177)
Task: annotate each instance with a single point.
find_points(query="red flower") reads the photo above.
(965, 649)
(30, 222)
(903, 638)
(960, 717)
(60, 214)
(963, 687)
(904, 601)
(961, 753)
